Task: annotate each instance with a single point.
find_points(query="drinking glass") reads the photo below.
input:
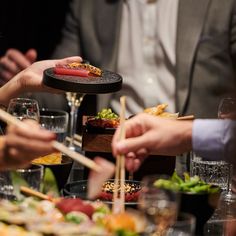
(55, 121)
(24, 108)
(184, 225)
(212, 172)
(74, 101)
(158, 205)
(32, 175)
(227, 110)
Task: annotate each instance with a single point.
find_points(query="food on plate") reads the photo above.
(97, 179)
(159, 111)
(31, 217)
(132, 191)
(187, 184)
(106, 118)
(51, 159)
(119, 221)
(77, 69)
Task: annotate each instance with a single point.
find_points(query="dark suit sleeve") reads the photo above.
(69, 44)
(233, 36)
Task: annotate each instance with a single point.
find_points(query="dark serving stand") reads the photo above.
(109, 82)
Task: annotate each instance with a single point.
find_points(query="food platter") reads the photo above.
(108, 82)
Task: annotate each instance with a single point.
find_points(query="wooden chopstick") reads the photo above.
(32, 192)
(120, 168)
(77, 143)
(189, 117)
(6, 117)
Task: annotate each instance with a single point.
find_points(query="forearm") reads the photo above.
(215, 139)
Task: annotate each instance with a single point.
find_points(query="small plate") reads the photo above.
(109, 82)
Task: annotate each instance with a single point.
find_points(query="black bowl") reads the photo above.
(79, 189)
(202, 206)
(61, 171)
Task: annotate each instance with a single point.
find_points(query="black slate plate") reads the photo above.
(109, 82)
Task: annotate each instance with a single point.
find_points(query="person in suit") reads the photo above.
(187, 50)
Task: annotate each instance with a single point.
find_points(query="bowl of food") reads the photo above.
(59, 164)
(79, 189)
(196, 197)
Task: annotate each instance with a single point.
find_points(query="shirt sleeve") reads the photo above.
(214, 139)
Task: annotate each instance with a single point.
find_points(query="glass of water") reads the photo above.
(55, 121)
(212, 172)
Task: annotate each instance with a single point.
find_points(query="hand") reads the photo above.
(13, 62)
(146, 134)
(23, 144)
(30, 79)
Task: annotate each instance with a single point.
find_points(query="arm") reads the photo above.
(70, 42)
(30, 79)
(215, 139)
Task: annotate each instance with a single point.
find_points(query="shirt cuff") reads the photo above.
(210, 138)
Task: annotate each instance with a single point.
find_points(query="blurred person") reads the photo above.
(177, 52)
(20, 145)
(145, 134)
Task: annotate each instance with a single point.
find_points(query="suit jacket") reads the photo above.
(205, 47)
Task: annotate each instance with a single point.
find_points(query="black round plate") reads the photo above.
(109, 82)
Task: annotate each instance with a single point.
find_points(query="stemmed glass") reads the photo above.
(227, 110)
(24, 108)
(74, 101)
(158, 205)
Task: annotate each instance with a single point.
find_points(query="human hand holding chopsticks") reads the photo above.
(26, 130)
(147, 134)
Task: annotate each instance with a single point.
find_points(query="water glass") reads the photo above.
(184, 225)
(212, 172)
(33, 176)
(24, 108)
(55, 121)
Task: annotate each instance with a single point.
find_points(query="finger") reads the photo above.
(32, 131)
(132, 144)
(69, 60)
(19, 58)
(5, 76)
(31, 55)
(9, 66)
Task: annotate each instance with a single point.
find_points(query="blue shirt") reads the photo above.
(215, 139)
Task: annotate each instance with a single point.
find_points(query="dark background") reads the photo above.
(28, 24)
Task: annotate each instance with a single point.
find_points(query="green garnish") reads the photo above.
(188, 184)
(106, 114)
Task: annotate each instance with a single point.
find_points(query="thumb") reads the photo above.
(31, 55)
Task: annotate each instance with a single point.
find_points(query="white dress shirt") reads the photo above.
(147, 57)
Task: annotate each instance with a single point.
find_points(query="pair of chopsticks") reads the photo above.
(119, 201)
(6, 117)
(77, 142)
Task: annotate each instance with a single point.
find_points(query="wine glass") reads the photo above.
(158, 205)
(74, 101)
(227, 110)
(24, 108)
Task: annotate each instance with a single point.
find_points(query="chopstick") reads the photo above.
(32, 192)
(6, 117)
(77, 143)
(189, 117)
(119, 202)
